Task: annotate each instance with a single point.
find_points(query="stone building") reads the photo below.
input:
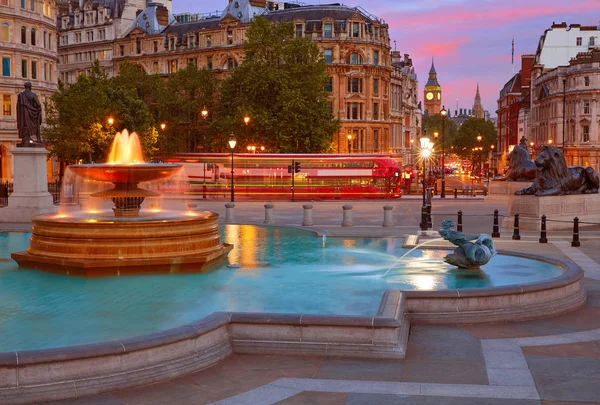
(355, 46)
(432, 93)
(87, 29)
(514, 97)
(531, 102)
(575, 91)
(405, 108)
(28, 48)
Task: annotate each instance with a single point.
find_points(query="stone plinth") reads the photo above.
(506, 188)
(30, 195)
(564, 208)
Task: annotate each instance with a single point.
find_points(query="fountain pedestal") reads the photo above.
(30, 195)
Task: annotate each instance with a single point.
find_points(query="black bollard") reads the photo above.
(575, 242)
(435, 189)
(459, 221)
(543, 238)
(496, 230)
(516, 234)
(423, 223)
(455, 192)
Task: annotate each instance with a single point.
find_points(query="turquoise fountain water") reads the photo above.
(281, 270)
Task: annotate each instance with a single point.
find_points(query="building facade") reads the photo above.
(355, 46)
(28, 48)
(514, 96)
(405, 109)
(432, 93)
(87, 29)
(565, 109)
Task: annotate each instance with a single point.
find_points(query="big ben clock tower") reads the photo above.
(433, 93)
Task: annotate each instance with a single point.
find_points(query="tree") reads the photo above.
(76, 117)
(181, 101)
(281, 87)
(433, 124)
(147, 87)
(466, 139)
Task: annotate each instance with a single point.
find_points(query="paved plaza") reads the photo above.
(549, 361)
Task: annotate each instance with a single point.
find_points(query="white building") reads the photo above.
(28, 54)
(560, 43)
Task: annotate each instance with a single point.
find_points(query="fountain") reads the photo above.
(126, 241)
(472, 251)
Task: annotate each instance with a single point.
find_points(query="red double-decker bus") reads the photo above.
(267, 176)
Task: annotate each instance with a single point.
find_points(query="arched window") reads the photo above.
(5, 32)
(23, 34)
(33, 35)
(354, 59)
(230, 64)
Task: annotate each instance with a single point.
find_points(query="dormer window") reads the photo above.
(229, 35)
(328, 30)
(192, 41)
(171, 44)
(355, 30)
(208, 41)
(299, 28)
(376, 33)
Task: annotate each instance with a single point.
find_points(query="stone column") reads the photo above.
(229, 218)
(269, 214)
(387, 216)
(347, 218)
(308, 220)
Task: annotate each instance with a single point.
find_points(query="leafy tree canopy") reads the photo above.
(77, 118)
(466, 138)
(433, 124)
(281, 87)
(180, 104)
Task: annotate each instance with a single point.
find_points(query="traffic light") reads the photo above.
(297, 167)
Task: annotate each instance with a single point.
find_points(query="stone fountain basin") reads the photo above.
(131, 173)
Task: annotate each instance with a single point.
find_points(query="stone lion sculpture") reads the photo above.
(554, 177)
(520, 165)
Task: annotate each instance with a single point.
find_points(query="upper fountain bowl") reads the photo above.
(126, 172)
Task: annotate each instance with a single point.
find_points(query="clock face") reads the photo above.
(439, 96)
(429, 96)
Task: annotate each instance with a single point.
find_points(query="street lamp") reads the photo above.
(204, 112)
(232, 143)
(426, 148)
(162, 128)
(349, 143)
(110, 120)
(443, 112)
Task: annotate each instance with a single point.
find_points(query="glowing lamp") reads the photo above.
(424, 142)
(232, 142)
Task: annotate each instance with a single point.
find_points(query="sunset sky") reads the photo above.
(470, 39)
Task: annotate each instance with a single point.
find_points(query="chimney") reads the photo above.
(396, 58)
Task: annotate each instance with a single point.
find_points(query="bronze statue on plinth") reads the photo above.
(29, 118)
(520, 165)
(554, 177)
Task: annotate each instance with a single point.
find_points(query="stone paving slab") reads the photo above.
(316, 398)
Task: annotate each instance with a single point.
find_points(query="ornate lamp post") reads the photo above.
(349, 143)
(204, 114)
(162, 128)
(246, 122)
(232, 143)
(425, 154)
(443, 112)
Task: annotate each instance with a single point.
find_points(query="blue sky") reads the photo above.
(469, 39)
